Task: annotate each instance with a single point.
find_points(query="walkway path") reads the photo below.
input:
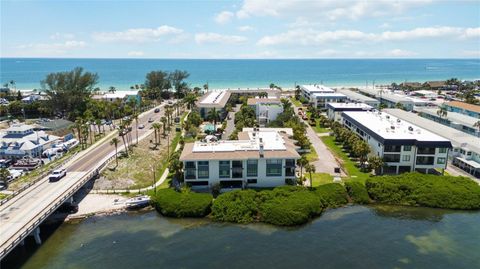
(454, 171)
(230, 122)
(326, 162)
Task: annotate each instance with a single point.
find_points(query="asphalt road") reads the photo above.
(30, 204)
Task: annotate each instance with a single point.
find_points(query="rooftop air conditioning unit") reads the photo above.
(410, 128)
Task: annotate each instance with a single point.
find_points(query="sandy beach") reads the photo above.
(94, 204)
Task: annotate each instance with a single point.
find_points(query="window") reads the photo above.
(426, 150)
(391, 158)
(224, 169)
(425, 160)
(405, 158)
(251, 181)
(274, 167)
(252, 168)
(391, 148)
(407, 148)
(203, 169)
(440, 160)
(442, 150)
(237, 169)
(190, 170)
(469, 153)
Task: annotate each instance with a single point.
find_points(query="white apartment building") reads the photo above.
(319, 95)
(403, 146)
(354, 96)
(260, 158)
(213, 100)
(266, 109)
(335, 110)
(20, 140)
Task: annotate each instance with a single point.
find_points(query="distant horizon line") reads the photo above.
(243, 59)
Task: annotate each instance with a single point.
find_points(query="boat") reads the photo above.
(138, 201)
(27, 164)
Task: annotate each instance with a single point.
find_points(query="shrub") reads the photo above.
(332, 194)
(290, 206)
(416, 189)
(182, 204)
(357, 192)
(235, 206)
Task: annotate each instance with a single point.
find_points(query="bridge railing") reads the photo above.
(30, 226)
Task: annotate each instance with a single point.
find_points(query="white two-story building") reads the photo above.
(335, 110)
(266, 109)
(403, 146)
(260, 158)
(319, 95)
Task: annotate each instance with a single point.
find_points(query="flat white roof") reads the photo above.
(391, 127)
(328, 94)
(341, 106)
(316, 88)
(213, 97)
(452, 116)
(458, 138)
(271, 141)
(355, 96)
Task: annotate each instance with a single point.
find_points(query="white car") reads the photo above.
(57, 174)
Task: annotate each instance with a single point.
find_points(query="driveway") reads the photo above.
(230, 122)
(326, 162)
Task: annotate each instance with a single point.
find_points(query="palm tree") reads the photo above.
(164, 123)
(190, 99)
(114, 142)
(123, 132)
(4, 174)
(156, 127)
(442, 112)
(112, 89)
(477, 124)
(214, 115)
(135, 116)
(375, 163)
(310, 168)
(302, 162)
(169, 113)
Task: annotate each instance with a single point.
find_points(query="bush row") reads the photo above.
(357, 192)
(182, 204)
(414, 189)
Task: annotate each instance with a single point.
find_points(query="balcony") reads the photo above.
(391, 158)
(425, 160)
(237, 172)
(429, 151)
(392, 149)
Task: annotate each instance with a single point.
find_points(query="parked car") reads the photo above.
(156, 110)
(141, 126)
(150, 120)
(5, 163)
(170, 102)
(57, 174)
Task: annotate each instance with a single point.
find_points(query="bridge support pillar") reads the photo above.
(36, 235)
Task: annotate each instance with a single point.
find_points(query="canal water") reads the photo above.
(349, 237)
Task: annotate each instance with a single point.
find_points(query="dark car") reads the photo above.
(156, 110)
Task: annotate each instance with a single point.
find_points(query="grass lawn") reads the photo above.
(2, 196)
(296, 102)
(319, 129)
(312, 155)
(353, 172)
(320, 179)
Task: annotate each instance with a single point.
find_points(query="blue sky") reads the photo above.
(240, 29)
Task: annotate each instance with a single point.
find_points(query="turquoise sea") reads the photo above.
(123, 73)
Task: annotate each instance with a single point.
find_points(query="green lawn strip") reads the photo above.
(320, 179)
(296, 102)
(353, 172)
(312, 155)
(319, 129)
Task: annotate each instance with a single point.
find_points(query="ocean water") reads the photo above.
(123, 73)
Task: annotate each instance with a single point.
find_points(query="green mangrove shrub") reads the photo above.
(182, 204)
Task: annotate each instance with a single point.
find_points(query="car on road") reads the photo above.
(170, 102)
(57, 174)
(150, 120)
(156, 110)
(141, 126)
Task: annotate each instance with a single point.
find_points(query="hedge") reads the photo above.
(290, 206)
(332, 195)
(182, 204)
(358, 192)
(414, 189)
(237, 206)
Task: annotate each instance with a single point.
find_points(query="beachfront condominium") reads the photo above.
(266, 109)
(466, 147)
(213, 100)
(354, 96)
(404, 147)
(335, 110)
(464, 108)
(319, 95)
(259, 158)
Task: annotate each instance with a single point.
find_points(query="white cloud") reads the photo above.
(224, 17)
(314, 37)
(203, 38)
(385, 25)
(400, 53)
(57, 36)
(245, 28)
(135, 53)
(470, 53)
(326, 9)
(138, 34)
(50, 49)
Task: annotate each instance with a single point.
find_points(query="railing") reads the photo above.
(29, 227)
(33, 182)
